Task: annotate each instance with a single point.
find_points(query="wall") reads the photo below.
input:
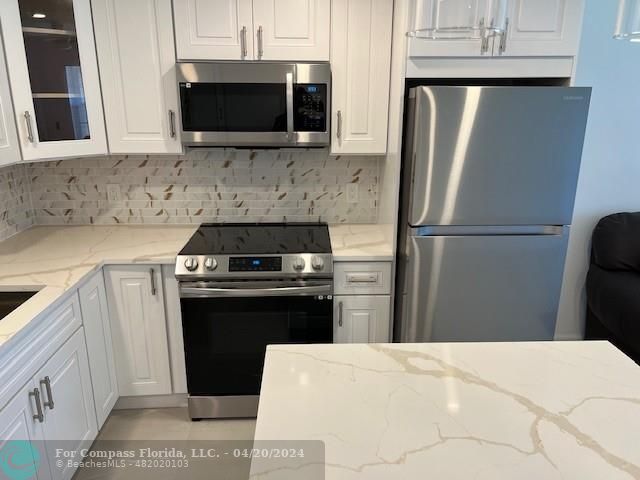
(610, 175)
(15, 203)
(206, 186)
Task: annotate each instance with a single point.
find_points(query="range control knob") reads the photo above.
(191, 263)
(210, 263)
(298, 264)
(317, 262)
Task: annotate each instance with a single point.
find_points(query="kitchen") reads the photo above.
(132, 213)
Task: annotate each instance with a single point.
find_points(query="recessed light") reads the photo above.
(39, 15)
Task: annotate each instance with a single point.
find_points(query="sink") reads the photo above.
(9, 301)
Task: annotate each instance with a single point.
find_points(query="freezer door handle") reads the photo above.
(493, 230)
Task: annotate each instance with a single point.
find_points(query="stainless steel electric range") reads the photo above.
(243, 287)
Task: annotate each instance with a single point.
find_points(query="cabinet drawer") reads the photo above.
(362, 278)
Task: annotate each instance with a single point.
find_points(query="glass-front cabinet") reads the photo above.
(53, 73)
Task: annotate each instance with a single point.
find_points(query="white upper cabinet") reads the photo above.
(213, 29)
(491, 28)
(139, 329)
(296, 30)
(360, 63)
(136, 54)
(541, 28)
(9, 149)
(451, 28)
(53, 73)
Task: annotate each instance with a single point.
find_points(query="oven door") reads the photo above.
(254, 105)
(227, 327)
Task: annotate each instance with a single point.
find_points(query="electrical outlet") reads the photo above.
(352, 193)
(114, 194)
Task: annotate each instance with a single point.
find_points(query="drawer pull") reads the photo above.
(39, 415)
(46, 383)
(362, 278)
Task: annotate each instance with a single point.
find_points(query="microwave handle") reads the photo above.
(290, 106)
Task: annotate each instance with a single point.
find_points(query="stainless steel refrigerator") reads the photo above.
(489, 181)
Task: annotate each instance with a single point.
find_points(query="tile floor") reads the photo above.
(166, 428)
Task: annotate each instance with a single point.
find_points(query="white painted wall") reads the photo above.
(610, 175)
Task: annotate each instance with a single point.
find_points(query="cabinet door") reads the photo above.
(542, 28)
(361, 65)
(18, 425)
(213, 29)
(53, 73)
(295, 30)
(139, 330)
(95, 318)
(174, 329)
(136, 54)
(67, 400)
(361, 319)
(9, 149)
(450, 28)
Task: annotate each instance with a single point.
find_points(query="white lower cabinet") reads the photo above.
(17, 423)
(56, 404)
(67, 402)
(361, 318)
(95, 318)
(139, 330)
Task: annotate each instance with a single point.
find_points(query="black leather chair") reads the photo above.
(613, 283)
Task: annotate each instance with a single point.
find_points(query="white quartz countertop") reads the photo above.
(362, 242)
(563, 410)
(55, 259)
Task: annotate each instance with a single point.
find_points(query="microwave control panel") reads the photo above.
(310, 107)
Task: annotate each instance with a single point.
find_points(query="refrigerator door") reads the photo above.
(495, 155)
(481, 288)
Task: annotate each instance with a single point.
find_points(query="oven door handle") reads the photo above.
(209, 292)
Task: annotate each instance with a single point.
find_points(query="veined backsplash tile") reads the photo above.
(206, 186)
(16, 213)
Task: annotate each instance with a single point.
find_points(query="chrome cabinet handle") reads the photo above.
(503, 36)
(243, 42)
(172, 123)
(290, 106)
(340, 308)
(152, 273)
(260, 49)
(36, 395)
(27, 119)
(339, 126)
(46, 383)
(484, 45)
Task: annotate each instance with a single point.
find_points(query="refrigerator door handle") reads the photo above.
(493, 230)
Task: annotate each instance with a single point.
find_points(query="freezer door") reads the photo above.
(495, 155)
(481, 288)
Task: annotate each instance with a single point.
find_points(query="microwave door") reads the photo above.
(254, 105)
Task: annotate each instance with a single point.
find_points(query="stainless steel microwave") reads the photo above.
(254, 104)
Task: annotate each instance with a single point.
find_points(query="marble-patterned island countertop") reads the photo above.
(563, 410)
(55, 259)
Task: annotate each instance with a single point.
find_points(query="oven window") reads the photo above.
(226, 338)
(233, 107)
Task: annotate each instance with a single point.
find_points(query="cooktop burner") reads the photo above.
(260, 238)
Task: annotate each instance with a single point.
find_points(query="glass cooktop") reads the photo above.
(258, 238)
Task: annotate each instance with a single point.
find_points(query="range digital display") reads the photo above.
(255, 264)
